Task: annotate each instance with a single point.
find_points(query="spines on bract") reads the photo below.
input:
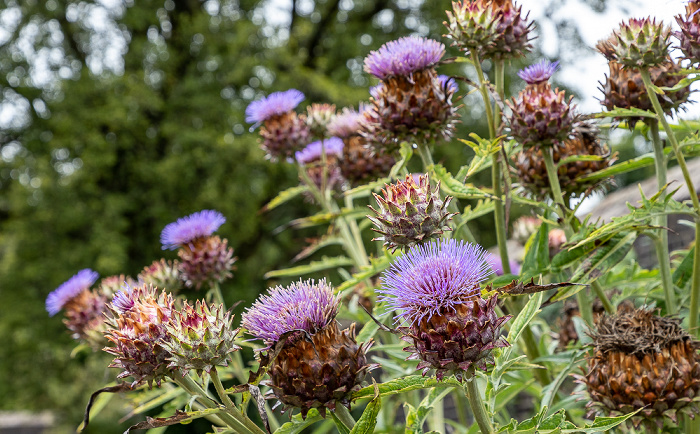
(318, 117)
(163, 274)
(205, 261)
(689, 34)
(200, 337)
(137, 330)
(643, 362)
(410, 213)
(638, 43)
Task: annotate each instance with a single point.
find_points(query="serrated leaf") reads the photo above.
(521, 321)
(377, 265)
(180, 417)
(483, 207)
(684, 272)
(405, 384)
(416, 416)
(285, 196)
(568, 257)
(626, 113)
(297, 424)
(322, 218)
(368, 420)
(536, 253)
(312, 267)
(605, 257)
(602, 424)
(455, 188)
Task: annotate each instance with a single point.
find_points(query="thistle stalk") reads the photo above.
(471, 389)
(344, 415)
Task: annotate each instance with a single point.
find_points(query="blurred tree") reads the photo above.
(118, 117)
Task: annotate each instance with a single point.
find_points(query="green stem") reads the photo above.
(692, 425)
(695, 288)
(695, 298)
(661, 244)
(484, 94)
(220, 389)
(533, 353)
(609, 308)
(471, 389)
(218, 295)
(342, 413)
(496, 178)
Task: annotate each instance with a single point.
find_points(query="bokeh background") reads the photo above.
(118, 117)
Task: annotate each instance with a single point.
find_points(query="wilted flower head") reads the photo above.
(436, 290)
(276, 103)
(539, 72)
(187, 229)
(82, 281)
(309, 306)
(404, 56)
(333, 146)
(434, 278)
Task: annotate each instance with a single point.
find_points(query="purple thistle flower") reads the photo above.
(186, 229)
(313, 152)
(497, 265)
(539, 72)
(376, 91)
(275, 103)
(82, 280)
(404, 56)
(448, 83)
(347, 123)
(123, 300)
(433, 278)
(307, 306)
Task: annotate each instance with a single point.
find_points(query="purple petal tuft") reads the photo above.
(404, 56)
(448, 83)
(69, 289)
(276, 103)
(433, 277)
(333, 145)
(186, 229)
(307, 306)
(539, 72)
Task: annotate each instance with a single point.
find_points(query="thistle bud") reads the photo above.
(643, 361)
(200, 337)
(435, 288)
(410, 213)
(689, 35)
(312, 159)
(411, 103)
(638, 43)
(283, 131)
(318, 365)
(204, 259)
(318, 116)
(113, 284)
(162, 274)
(540, 115)
(137, 330)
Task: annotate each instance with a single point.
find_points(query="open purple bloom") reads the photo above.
(308, 306)
(434, 278)
(448, 83)
(404, 56)
(123, 300)
(313, 152)
(75, 285)
(275, 103)
(186, 229)
(539, 72)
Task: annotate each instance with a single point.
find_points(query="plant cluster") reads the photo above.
(627, 338)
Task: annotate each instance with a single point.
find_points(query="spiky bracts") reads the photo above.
(624, 88)
(80, 282)
(137, 330)
(283, 131)
(200, 337)
(540, 115)
(532, 173)
(410, 213)
(643, 361)
(435, 288)
(494, 29)
(689, 35)
(411, 103)
(318, 117)
(317, 365)
(162, 274)
(638, 43)
(85, 317)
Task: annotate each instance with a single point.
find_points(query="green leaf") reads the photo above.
(405, 384)
(568, 257)
(297, 424)
(605, 257)
(285, 196)
(376, 266)
(342, 429)
(602, 424)
(323, 218)
(537, 253)
(620, 168)
(405, 152)
(550, 391)
(483, 207)
(623, 112)
(416, 416)
(575, 158)
(684, 272)
(531, 309)
(368, 420)
(312, 267)
(454, 188)
(366, 189)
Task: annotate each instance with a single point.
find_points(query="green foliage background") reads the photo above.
(103, 153)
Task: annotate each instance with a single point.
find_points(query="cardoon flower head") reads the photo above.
(638, 43)
(162, 274)
(689, 35)
(313, 152)
(404, 56)
(204, 258)
(69, 289)
(137, 330)
(347, 123)
(318, 116)
(318, 366)
(283, 131)
(435, 289)
(113, 284)
(539, 72)
(276, 103)
(412, 103)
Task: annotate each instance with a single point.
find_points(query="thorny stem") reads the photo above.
(344, 415)
(695, 286)
(471, 389)
(661, 242)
